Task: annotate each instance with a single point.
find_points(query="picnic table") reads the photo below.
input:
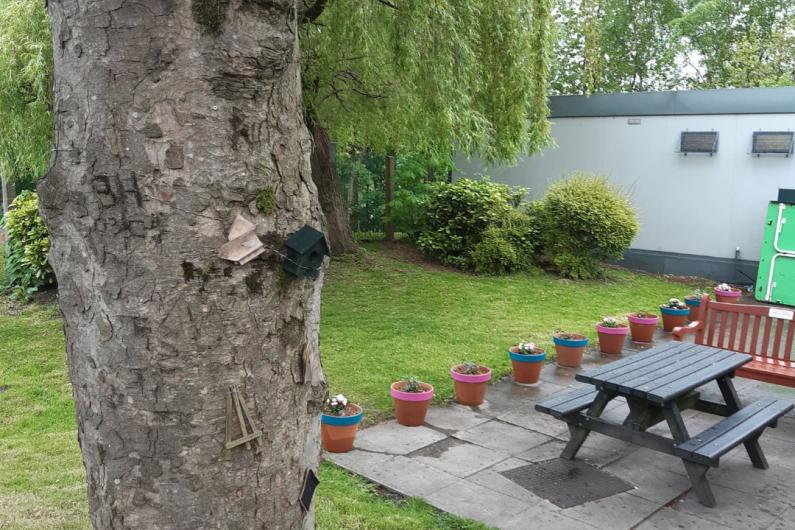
(658, 385)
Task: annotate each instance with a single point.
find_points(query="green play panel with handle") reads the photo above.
(775, 281)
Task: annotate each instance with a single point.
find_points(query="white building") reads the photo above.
(700, 214)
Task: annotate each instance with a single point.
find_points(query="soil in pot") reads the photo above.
(526, 368)
(569, 348)
(611, 340)
(642, 328)
(411, 407)
(339, 432)
(470, 389)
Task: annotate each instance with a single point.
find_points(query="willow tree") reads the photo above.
(171, 118)
(408, 76)
(25, 93)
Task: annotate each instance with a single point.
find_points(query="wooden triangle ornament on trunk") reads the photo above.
(236, 410)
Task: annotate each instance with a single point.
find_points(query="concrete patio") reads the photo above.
(457, 461)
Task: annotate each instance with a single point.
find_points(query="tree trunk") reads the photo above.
(329, 187)
(9, 195)
(352, 195)
(170, 119)
(389, 171)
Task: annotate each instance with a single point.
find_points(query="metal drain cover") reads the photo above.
(566, 483)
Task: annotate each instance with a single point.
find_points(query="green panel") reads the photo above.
(781, 260)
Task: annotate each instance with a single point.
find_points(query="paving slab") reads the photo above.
(454, 418)
(592, 454)
(493, 479)
(502, 436)
(650, 483)
(544, 516)
(618, 512)
(774, 483)
(735, 509)
(395, 439)
(785, 521)
(529, 418)
(666, 519)
(457, 457)
(478, 502)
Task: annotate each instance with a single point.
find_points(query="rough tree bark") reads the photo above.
(171, 118)
(327, 180)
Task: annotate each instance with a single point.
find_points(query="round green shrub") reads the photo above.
(27, 269)
(585, 221)
(477, 224)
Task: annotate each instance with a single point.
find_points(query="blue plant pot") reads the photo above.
(521, 358)
(693, 303)
(341, 420)
(672, 311)
(570, 343)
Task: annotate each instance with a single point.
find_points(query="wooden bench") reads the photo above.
(765, 332)
(658, 385)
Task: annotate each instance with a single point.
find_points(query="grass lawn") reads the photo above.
(382, 318)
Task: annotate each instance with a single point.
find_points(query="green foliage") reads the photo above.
(456, 217)
(585, 221)
(717, 30)
(266, 200)
(26, 266)
(508, 247)
(25, 90)
(412, 384)
(362, 177)
(423, 77)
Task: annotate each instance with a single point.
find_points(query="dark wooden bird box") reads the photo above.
(305, 251)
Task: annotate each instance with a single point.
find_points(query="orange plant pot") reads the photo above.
(470, 389)
(642, 329)
(570, 350)
(337, 433)
(611, 340)
(672, 321)
(411, 407)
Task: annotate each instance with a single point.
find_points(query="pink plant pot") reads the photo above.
(728, 297)
(611, 340)
(642, 329)
(471, 389)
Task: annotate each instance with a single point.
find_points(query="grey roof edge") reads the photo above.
(778, 100)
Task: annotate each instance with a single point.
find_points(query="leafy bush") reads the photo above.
(494, 254)
(585, 221)
(27, 269)
(456, 217)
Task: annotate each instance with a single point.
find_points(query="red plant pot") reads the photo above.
(695, 307)
(470, 389)
(411, 407)
(642, 329)
(611, 340)
(338, 432)
(728, 297)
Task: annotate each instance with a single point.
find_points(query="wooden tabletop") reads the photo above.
(665, 372)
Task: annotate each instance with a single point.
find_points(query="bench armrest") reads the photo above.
(680, 332)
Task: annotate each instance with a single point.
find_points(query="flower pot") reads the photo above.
(526, 368)
(642, 329)
(411, 407)
(569, 351)
(611, 340)
(729, 297)
(694, 306)
(338, 432)
(673, 317)
(470, 389)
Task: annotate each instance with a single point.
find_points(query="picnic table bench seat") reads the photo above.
(748, 423)
(560, 406)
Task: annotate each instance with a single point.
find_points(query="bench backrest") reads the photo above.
(761, 330)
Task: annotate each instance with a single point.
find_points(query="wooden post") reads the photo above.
(389, 227)
(352, 181)
(8, 197)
